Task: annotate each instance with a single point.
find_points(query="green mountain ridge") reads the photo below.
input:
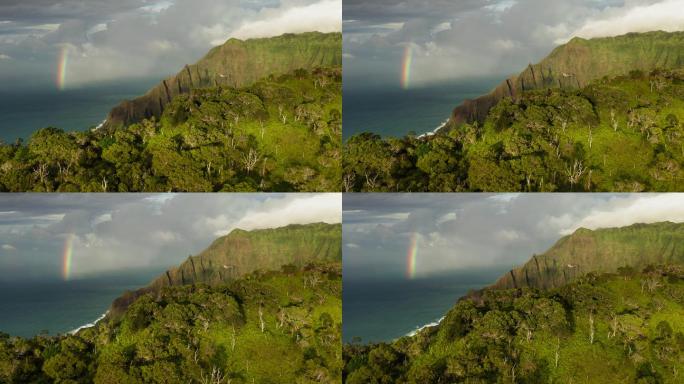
(235, 64)
(243, 252)
(577, 63)
(599, 251)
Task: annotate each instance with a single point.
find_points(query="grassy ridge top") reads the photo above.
(243, 252)
(235, 64)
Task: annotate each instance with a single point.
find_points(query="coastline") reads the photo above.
(434, 131)
(428, 325)
(88, 325)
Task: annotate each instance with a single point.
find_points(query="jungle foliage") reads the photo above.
(626, 327)
(282, 133)
(622, 133)
(268, 327)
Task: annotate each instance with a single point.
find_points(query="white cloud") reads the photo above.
(102, 219)
(324, 16)
(642, 209)
(505, 197)
(9, 247)
(451, 216)
(665, 15)
(509, 235)
(4, 57)
(399, 216)
(352, 245)
(164, 236)
(445, 26)
(300, 209)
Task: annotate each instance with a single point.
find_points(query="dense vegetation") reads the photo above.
(612, 328)
(622, 133)
(282, 133)
(269, 327)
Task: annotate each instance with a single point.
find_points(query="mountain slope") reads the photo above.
(580, 61)
(599, 251)
(243, 252)
(235, 64)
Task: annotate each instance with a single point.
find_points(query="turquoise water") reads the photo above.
(22, 112)
(382, 310)
(396, 112)
(29, 308)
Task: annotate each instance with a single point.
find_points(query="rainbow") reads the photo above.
(67, 256)
(406, 67)
(411, 257)
(62, 62)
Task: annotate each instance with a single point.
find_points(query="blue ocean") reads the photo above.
(56, 307)
(385, 309)
(396, 112)
(24, 111)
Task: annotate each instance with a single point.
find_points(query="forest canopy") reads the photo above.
(268, 327)
(282, 133)
(625, 327)
(620, 134)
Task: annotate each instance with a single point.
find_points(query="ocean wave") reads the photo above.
(101, 125)
(434, 131)
(428, 325)
(89, 325)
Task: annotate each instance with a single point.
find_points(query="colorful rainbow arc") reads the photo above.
(62, 62)
(412, 256)
(406, 67)
(67, 256)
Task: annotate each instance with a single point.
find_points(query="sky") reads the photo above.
(450, 40)
(457, 232)
(113, 232)
(106, 40)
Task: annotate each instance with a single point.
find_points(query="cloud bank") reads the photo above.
(114, 40)
(661, 16)
(494, 38)
(121, 232)
(475, 231)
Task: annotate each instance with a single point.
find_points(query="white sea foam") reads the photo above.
(89, 325)
(418, 329)
(101, 125)
(434, 132)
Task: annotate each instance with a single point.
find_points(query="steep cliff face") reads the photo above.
(603, 250)
(236, 63)
(578, 62)
(243, 252)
